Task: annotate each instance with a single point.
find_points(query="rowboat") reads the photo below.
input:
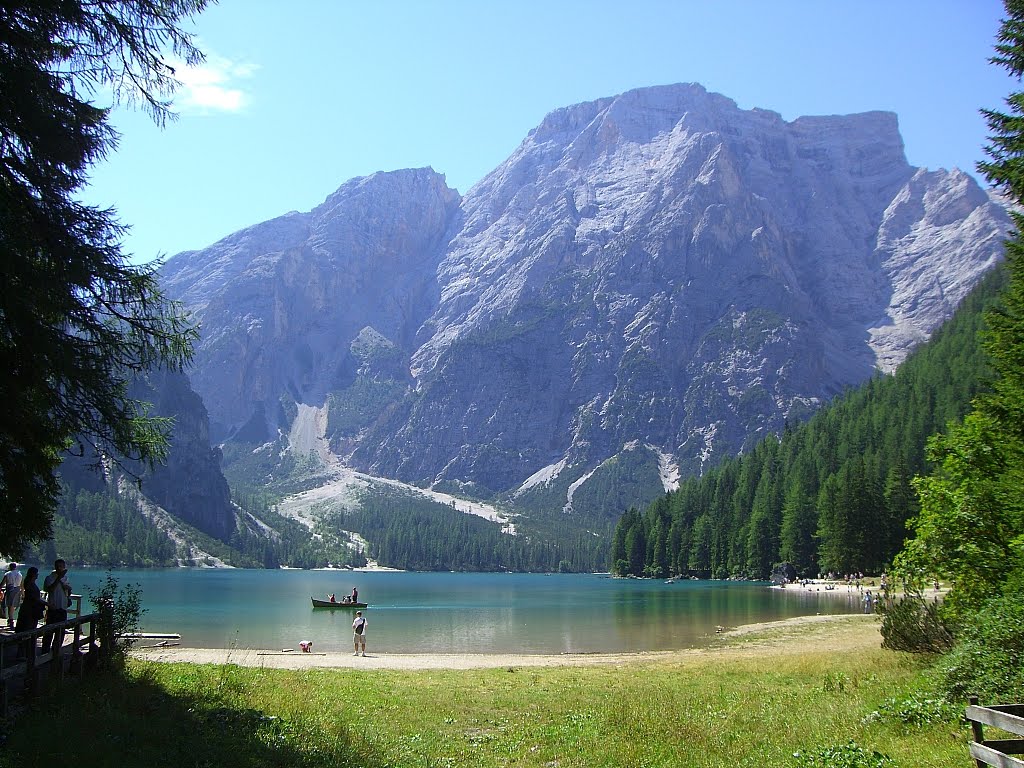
(338, 604)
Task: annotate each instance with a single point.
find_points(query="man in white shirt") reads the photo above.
(359, 633)
(58, 597)
(12, 592)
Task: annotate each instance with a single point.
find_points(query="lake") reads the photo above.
(454, 612)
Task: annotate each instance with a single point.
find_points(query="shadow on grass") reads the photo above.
(193, 718)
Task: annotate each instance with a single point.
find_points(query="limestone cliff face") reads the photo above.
(665, 267)
(190, 484)
(281, 303)
(659, 268)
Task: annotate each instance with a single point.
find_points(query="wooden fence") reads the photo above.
(21, 663)
(996, 752)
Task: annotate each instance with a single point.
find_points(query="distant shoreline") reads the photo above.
(843, 589)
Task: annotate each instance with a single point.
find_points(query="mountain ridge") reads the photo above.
(658, 268)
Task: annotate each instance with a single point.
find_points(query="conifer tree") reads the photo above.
(971, 523)
(799, 527)
(77, 319)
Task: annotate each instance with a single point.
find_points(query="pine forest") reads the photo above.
(830, 496)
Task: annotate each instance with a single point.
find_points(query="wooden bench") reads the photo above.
(1007, 717)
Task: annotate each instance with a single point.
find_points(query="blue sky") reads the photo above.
(296, 98)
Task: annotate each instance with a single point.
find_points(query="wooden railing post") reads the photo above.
(106, 629)
(57, 654)
(977, 729)
(31, 670)
(76, 654)
(3, 681)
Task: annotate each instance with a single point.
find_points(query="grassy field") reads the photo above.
(756, 700)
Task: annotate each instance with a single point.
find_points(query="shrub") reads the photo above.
(120, 612)
(916, 710)
(916, 625)
(988, 658)
(844, 756)
(835, 682)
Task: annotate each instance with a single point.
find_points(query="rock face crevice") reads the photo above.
(658, 268)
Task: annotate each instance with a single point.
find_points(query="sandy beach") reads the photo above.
(845, 589)
(829, 633)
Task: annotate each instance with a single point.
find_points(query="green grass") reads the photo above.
(727, 708)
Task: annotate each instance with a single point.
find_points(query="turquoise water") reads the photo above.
(454, 612)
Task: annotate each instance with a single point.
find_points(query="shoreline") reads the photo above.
(843, 589)
(827, 633)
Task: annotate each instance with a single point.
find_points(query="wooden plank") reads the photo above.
(1007, 721)
(1010, 709)
(1007, 746)
(16, 669)
(994, 758)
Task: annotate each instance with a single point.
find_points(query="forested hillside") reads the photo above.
(833, 494)
(103, 528)
(413, 533)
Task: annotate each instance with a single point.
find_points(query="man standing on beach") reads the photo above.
(359, 633)
(58, 598)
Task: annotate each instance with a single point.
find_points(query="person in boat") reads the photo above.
(355, 595)
(331, 598)
(359, 633)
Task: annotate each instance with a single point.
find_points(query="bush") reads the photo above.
(916, 625)
(918, 709)
(988, 658)
(120, 612)
(835, 682)
(845, 756)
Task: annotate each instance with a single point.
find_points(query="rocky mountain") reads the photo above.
(654, 281)
(189, 485)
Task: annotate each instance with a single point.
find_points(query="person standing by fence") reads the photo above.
(12, 592)
(32, 607)
(58, 598)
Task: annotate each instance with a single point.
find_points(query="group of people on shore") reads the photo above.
(852, 581)
(23, 596)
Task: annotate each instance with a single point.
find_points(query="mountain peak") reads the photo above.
(659, 268)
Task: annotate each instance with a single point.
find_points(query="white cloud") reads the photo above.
(213, 86)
